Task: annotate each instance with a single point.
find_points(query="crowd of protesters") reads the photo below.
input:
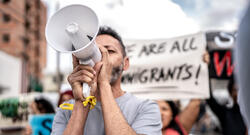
(174, 119)
(114, 111)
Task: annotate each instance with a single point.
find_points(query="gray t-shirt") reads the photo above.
(142, 115)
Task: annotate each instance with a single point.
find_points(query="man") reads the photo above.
(116, 112)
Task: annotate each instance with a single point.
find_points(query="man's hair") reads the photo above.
(109, 31)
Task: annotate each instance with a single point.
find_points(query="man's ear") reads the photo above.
(125, 63)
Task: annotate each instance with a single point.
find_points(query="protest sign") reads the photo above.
(41, 124)
(167, 68)
(220, 45)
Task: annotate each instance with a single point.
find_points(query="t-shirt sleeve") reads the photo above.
(148, 120)
(60, 122)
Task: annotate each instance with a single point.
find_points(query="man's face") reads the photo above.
(115, 54)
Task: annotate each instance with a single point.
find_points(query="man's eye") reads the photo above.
(111, 51)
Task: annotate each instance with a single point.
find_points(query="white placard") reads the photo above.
(167, 68)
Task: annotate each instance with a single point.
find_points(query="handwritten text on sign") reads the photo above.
(162, 66)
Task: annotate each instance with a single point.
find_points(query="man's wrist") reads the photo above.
(103, 85)
(79, 103)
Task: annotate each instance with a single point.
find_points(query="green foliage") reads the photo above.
(9, 107)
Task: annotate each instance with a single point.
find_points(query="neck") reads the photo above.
(116, 89)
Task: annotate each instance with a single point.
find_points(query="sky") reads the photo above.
(154, 19)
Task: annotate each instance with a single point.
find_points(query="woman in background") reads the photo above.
(39, 106)
(65, 96)
(175, 122)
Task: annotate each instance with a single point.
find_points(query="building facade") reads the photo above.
(22, 35)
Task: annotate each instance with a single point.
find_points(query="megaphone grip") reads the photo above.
(89, 62)
(86, 90)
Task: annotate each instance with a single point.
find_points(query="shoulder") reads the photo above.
(64, 114)
(146, 116)
(170, 131)
(61, 119)
(142, 106)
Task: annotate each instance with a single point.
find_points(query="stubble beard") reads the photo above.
(116, 72)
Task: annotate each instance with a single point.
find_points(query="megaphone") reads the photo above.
(73, 29)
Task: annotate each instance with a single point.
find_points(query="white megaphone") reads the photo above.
(73, 29)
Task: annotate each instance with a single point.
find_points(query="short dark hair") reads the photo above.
(109, 31)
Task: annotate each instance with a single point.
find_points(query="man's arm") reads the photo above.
(77, 120)
(114, 121)
(76, 123)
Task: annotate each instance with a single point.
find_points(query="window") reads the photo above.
(6, 38)
(5, 1)
(27, 24)
(26, 40)
(6, 17)
(27, 7)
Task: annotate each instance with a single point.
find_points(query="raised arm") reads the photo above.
(76, 123)
(114, 121)
(189, 115)
(77, 120)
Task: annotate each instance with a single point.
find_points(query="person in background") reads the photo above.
(175, 122)
(65, 96)
(39, 106)
(230, 118)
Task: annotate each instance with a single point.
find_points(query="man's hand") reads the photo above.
(82, 74)
(106, 67)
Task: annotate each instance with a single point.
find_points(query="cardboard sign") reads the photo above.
(167, 68)
(41, 124)
(220, 45)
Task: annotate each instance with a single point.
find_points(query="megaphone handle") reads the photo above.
(86, 90)
(89, 62)
(85, 87)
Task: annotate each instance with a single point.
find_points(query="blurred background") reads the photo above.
(30, 69)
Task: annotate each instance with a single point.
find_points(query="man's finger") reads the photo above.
(82, 79)
(75, 61)
(105, 53)
(83, 67)
(97, 69)
(83, 73)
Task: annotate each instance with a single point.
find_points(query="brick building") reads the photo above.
(22, 26)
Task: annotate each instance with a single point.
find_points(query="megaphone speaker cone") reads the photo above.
(80, 15)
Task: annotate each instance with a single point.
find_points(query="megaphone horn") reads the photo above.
(73, 29)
